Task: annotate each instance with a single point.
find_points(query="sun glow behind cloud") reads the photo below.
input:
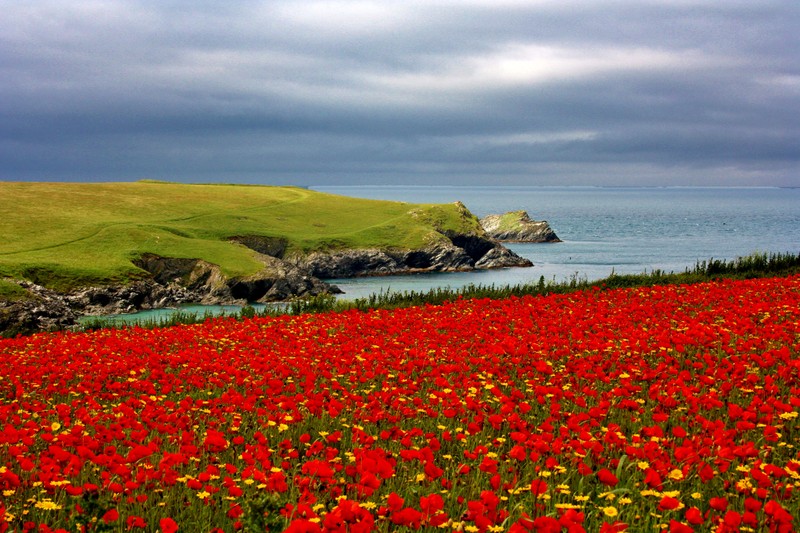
(533, 64)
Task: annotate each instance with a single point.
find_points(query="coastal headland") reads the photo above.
(70, 249)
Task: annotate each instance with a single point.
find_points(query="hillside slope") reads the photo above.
(64, 235)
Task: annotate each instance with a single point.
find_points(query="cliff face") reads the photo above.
(441, 257)
(517, 226)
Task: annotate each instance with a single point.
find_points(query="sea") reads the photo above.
(604, 230)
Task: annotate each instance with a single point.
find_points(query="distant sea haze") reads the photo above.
(605, 230)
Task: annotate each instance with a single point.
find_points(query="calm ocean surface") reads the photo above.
(624, 230)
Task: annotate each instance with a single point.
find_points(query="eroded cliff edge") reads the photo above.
(447, 251)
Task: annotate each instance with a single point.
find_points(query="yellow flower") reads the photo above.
(610, 511)
(47, 505)
(203, 494)
(788, 416)
(567, 506)
(643, 465)
(676, 475)
(55, 426)
(625, 501)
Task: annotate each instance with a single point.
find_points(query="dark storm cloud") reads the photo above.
(461, 91)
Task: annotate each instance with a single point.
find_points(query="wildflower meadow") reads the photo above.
(666, 408)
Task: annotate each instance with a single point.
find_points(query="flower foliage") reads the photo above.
(671, 408)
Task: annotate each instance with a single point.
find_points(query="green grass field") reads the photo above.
(66, 235)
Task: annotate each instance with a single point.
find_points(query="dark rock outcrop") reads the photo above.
(130, 297)
(204, 283)
(517, 226)
(41, 310)
(441, 257)
(272, 246)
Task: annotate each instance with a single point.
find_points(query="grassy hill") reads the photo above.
(66, 235)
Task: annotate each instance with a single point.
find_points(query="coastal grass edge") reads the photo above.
(755, 265)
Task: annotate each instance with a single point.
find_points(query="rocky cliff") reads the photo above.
(37, 309)
(448, 251)
(517, 226)
(372, 262)
(169, 282)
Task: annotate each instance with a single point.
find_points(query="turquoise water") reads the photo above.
(157, 315)
(605, 230)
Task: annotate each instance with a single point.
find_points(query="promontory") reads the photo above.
(517, 226)
(69, 249)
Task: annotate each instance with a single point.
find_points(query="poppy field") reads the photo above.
(668, 408)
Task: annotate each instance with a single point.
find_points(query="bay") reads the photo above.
(603, 229)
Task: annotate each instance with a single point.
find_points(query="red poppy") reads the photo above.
(606, 477)
(668, 503)
(110, 516)
(168, 525)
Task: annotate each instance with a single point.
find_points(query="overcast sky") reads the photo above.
(524, 92)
